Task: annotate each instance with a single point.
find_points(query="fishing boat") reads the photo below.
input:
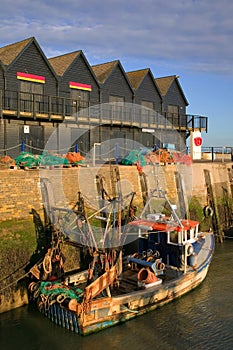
(167, 258)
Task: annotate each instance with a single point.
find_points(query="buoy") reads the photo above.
(73, 304)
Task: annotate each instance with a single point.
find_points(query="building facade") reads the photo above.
(86, 105)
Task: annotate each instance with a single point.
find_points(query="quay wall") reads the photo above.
(20, 192)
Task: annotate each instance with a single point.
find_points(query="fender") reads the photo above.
(208, 211)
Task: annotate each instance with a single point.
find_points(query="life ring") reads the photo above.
(208, 211)
(198, 141)
(190, 249)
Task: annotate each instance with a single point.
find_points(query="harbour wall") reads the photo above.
(20, 190)
(205, 185)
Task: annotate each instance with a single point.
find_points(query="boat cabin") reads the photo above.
(172, 242)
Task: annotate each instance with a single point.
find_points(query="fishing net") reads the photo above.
(6, 162)
(52, 159)
(27, 159)
(53, 289)
(134, 157)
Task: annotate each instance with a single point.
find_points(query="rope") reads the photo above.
(15, 281)
(126, 308)
(20, 268)
(47, 263)
(8, 149)
(18, 279)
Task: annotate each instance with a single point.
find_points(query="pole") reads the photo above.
(94, 151)
(212, 153)
(23, 146)
(117, 153)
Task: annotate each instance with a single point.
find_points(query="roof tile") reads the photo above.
(10, 52)
(136, 77)
(164, 83)
(61, 63)
(102, 71)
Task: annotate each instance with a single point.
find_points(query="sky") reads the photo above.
(189, 38)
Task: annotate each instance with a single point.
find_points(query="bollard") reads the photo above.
(117, 154)
(23, 146)
(212, 153)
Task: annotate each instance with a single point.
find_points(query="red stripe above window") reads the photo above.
(31, 77)
(80, 86)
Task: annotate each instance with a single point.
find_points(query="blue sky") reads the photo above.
(189, 38)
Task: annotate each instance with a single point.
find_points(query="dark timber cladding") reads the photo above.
(74, 67)
(146, 91)
(43, 93)
(114, 82)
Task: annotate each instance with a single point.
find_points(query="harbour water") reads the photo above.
(200, 320)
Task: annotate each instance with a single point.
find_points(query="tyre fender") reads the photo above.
(208, 211)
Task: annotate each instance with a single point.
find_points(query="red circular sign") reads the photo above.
(198, 141)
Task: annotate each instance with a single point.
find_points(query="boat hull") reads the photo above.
(109, 311)
(97, 313)
(131, 306)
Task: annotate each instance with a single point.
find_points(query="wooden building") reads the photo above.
(29, 90)
(174, 103)
(87, 104)
(148, 97)
(116, 98)
(79, 86)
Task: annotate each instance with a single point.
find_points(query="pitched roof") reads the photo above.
(136, 77)
(10, 52)
(103, 70)
(61, 63)
(164, 84)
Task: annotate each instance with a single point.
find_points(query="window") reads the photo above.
(148, 104)
(31, 93)
(147, 111)
(173, 237)
(117, 107)
(173, 114)
(80, 100)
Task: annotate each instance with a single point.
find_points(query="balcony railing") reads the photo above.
(42, 107)
(197, 122)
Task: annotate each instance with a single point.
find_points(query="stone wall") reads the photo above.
(20, 190)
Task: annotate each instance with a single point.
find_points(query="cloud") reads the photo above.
(194, 34)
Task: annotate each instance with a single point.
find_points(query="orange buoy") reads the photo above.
(73, 305)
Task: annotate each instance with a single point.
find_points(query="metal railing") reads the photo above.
(197, 122)
(35, 106)
(216, 153)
